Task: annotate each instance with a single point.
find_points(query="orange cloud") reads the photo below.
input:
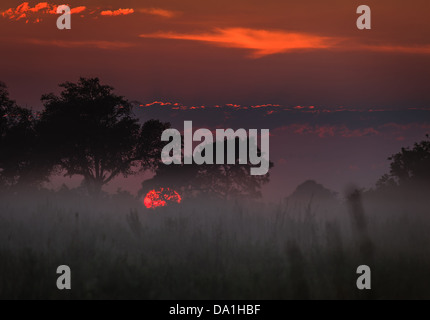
(268, 42)
(262, 42)
(119, 12)
(25, 11)
(158, 12)
(38, 7)
(77, 10)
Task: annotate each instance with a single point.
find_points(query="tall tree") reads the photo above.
(90, 131)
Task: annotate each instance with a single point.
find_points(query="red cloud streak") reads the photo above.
(119, 12)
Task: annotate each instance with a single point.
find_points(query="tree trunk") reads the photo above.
(94, 186)
(97, 189)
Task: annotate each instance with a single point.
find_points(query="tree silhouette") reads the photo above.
(223, 181)
(311, 191)
(89, 131)
(5, 101)
(409, 167)
(19, 162)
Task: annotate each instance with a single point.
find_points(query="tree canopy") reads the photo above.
(226, 181)
(311, 191)
(19, 161)
(409, 167)
(90, 131)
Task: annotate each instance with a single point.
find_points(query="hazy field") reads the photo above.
(211, 250)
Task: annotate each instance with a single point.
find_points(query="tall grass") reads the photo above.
(206, 249)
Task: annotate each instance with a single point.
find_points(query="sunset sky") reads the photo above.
(338, 100)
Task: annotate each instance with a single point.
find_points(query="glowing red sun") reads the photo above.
(161, 198)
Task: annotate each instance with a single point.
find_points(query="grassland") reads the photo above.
(206, 249)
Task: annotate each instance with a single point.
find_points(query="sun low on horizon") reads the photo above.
(161, 198)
